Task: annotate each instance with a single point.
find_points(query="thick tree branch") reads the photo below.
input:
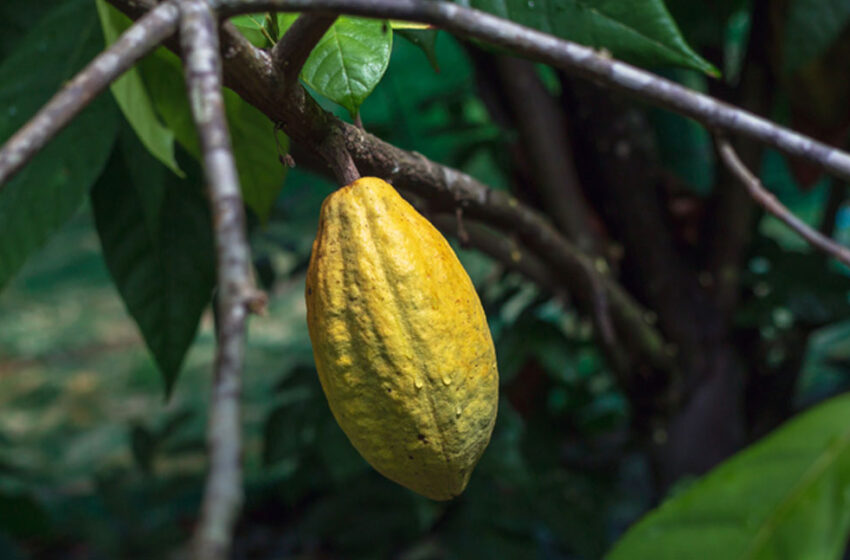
(141, 38)
(573, 58)
(516, 257)
(291, 52)
(249, 71)
(223, 491)
(339, 159)
(769, 202)
(541, 124)
(503, 249)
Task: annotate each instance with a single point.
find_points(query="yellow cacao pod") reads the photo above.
(400, 340)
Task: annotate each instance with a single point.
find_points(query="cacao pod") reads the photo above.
(400, 340)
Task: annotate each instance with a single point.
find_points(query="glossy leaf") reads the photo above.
(50, 189)
(786, 497)
(640, 32)
(155, 230)
(349, 61)
(811, 28)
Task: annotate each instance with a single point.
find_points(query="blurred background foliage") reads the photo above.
(96, 462)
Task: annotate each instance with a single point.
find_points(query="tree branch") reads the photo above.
(503, 249)
(339, 160)
(770, 203)
(446, 188)
(574, 58)
(249, 72)
(516, 257)
(541, 124)
(223, 491)
(136, 42)
(291, 52)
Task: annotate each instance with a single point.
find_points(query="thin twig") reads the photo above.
(146, 34)
(291, 52)
(770, 203)
(223, 491)
(574, 58)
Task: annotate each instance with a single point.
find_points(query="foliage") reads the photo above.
(96, 463)
(785, 497)
(648, 35)
(30, 75)
(348, 61)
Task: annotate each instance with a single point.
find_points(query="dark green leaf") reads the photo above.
(704, 23)
(684, 146)
(349, 61)
(642, 32)
(811, 28)
(786, 497)
(155, 230)
(51, 188)
(425, 39)
(133, 98)
(16, 19)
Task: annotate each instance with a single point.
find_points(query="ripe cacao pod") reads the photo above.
(400, 340)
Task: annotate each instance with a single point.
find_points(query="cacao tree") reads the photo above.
(649, 200)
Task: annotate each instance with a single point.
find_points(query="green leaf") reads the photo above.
(786, 497)
(50, 189)
(252, 26)
(811, 28)
(261, 173)
(425, 39)
(686, 148)
(16, 18)
(131, 96)
(155, 230)
(640, 32)
(349, 61)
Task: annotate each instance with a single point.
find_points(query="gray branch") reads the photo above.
(146, 34)
(223, 491)
(573, 58)
(769, 202)
(291, 52)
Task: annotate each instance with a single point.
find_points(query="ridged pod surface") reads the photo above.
(400, 340)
